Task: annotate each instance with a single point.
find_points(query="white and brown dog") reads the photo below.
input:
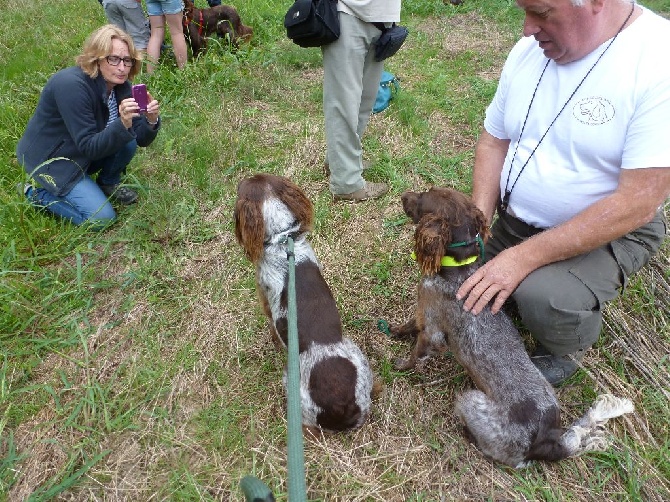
(336, 382)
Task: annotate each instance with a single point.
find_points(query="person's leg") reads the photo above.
(561, 304)
(85, 204)
(113, 13)
(174, 18)
(135, 23)
(110, 170)
(348, 71)
(157, 28)
(372, 73)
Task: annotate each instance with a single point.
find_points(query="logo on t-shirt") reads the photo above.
(593, 111)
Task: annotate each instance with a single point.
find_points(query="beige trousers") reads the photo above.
(350, 84)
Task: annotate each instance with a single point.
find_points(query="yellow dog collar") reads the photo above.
(450, 261)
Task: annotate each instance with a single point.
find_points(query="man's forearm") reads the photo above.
(489, 158)
(634, 204)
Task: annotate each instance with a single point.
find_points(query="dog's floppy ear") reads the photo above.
(480, 223)
(430, 240)
(249, 227)
(297, 202)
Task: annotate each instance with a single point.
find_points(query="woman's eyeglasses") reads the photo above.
(115, 60)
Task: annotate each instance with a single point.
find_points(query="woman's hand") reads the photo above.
(128, 109)
(153, 110)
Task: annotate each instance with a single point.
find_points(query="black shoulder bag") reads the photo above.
(312, 23)
(389, 41)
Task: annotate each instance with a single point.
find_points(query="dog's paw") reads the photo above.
(396, 331)
(402, 331)
(377, 388)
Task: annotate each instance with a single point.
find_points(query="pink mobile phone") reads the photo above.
(140, 95)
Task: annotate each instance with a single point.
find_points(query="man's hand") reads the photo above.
(497, 279)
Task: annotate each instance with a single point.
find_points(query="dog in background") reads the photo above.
(513, 416)
(336, 382)
(222, 20)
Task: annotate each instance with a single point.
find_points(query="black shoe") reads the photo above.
(556, 369)
(122, 195)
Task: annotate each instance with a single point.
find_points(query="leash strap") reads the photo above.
(255, 490)
(201, 23)
(297, 489)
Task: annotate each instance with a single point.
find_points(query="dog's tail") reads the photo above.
(489, 425)
(587, 433)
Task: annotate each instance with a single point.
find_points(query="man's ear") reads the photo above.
(596, 5)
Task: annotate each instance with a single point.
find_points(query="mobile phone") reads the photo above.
(140, 95)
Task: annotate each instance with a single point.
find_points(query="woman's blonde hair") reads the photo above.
(99, 45)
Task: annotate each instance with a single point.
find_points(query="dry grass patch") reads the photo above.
(470, 32)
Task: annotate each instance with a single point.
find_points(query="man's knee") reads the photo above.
(559, 310)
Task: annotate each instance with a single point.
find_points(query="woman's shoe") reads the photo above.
(121, 194)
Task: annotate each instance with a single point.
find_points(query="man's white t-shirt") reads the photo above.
(372, 11)
(619, 118)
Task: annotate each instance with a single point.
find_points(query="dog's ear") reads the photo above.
(249, 227)
(430, 241)
(480, 223)
(298, 203)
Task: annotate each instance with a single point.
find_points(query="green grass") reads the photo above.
(136, 363)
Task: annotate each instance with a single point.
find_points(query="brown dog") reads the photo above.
(222, 20)
(513, 415)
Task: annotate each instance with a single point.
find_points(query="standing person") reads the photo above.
(87, 122)
(160, 13)
(129, 16)
(574, 156)
(350, 84)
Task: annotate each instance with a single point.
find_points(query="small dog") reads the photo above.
(336, 382)
(222, 20)
(514, 416)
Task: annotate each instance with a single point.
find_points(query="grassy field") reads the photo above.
(136, 364)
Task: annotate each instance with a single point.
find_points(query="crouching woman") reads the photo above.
(87, 123)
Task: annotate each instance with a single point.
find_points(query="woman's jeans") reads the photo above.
(86, 202)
